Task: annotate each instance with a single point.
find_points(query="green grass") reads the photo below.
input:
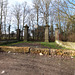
(49, 45)
(52, 45)
(10, 43)
(15, 42)
(73, 56)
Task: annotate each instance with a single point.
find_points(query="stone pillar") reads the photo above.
(47, 33)
(26, 33)
(18, 34)
(56, 34)
(0, 28)
(0, 31)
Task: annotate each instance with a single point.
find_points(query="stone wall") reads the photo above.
(44, 51)
(14, 49)
(70, 45)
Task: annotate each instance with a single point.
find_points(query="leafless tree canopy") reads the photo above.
(42, 12)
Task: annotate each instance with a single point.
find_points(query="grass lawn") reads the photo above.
(16, 42)
(52, 45)
(11, 43)
(49, 45)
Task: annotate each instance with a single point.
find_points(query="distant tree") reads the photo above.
(25, 12)
(32, 22)
(1, 16)
(17, 12)
(5, 15)
(51, 28)
(9, 30)
(45, 9)
(36, 8)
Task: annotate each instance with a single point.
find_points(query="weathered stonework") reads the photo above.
(56, 34)
(47, 33)
(26, 33)
(44, 51)
(14, 49)
(0, 29)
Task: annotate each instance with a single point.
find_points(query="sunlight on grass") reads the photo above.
(52, 45)
(73, 56)
(46, 44)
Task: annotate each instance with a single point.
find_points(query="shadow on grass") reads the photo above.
(9, 43)
(49, 45)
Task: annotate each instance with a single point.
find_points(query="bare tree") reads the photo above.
(32, 22)
(5, 15)
(45, 9)
(64, 14)
(36, 8)
(51, 28)
(17, 12)
(1, 16)
(24, 12)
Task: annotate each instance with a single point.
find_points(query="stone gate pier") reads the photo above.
(57, 34)
(26, 33)
(47, 33)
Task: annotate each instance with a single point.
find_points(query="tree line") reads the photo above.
(55, 13)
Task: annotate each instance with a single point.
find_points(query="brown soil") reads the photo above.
(35, 45)
(31, 64)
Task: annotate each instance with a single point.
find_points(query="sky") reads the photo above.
(20, 1)
(12, 2)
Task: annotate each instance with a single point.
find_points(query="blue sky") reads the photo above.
(11, 2)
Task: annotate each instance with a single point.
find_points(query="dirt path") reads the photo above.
(31, 64)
